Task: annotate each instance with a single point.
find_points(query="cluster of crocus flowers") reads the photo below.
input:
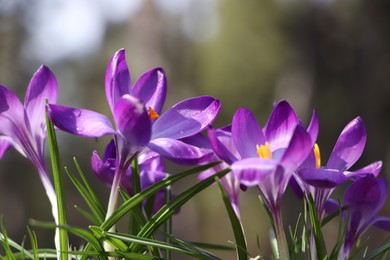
(140, 125)
(268, 158)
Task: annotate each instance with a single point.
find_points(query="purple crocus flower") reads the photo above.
(24, 126)
(230, 181)
(364, 198)
(267, 158)
(320, 181)
(136, 112)
(151, 167)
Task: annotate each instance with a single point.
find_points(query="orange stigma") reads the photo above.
(264, 151)
(153, 114)
(317, 155)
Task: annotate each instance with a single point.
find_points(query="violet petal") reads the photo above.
(252, 171)
(151, 88)
(80, 122)
(186, 118)
(297, 151)
(246, 133)
(281, 125)
(132, 121)
(349, 146)
(373, 168)
(219, 147)
(117, 79)
(322, 177)
(179, 151)
(43, 85)
(5, 144)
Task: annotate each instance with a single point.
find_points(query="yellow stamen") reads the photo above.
(317, 155)
(153, 114)
(264, 151)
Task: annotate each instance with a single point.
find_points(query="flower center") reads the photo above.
(264, 151)
(153, 114)
(317, 155)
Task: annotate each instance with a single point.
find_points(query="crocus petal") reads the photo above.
(151, 161)
(198, 140)
(349, 146)
(80, 122)
(313, 127)
(186, 118)
(322, 177)
(110, 152)
(246, 133)
(5, 144)
(363, 192)
(43, 85)
(132, 121)
(374, 169)
(297, 151)
(382, 223)
(331, 206)
(103, 170)
(295, 187)
(12, 113)
(281, 125)
(252, 171)
(151, 88)
(179, 151)
(219, 147)
(118, 79)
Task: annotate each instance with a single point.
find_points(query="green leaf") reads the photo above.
(150, 191)
(381, 251)
(85, 234)
(169, 209)
(86, 214)
(92, 192)
(5, 241)
(239, 236)
(97, 213)
(57, 178)
(34, 243)
(40, 254)
(316, 229)
(154, 243)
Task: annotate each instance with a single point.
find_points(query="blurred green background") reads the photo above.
(332, 56)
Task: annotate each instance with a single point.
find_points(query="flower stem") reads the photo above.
(281, 236)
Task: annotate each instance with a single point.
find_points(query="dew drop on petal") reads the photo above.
(77, 112)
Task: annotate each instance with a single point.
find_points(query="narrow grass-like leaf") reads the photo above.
(58, 186)
(92, 192)
(86, 214)
(154, 243)
(115, 243)
(340, 237)
(85, 234)
(151, 190)
(13, 244)
(117, 254)
(330, 217)
(236, 224)
(316, 226)
(98, 214)
(43, 253)
(5, 241)
(34, 243)
(169, 209)
(198, 248)
(381, 251)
